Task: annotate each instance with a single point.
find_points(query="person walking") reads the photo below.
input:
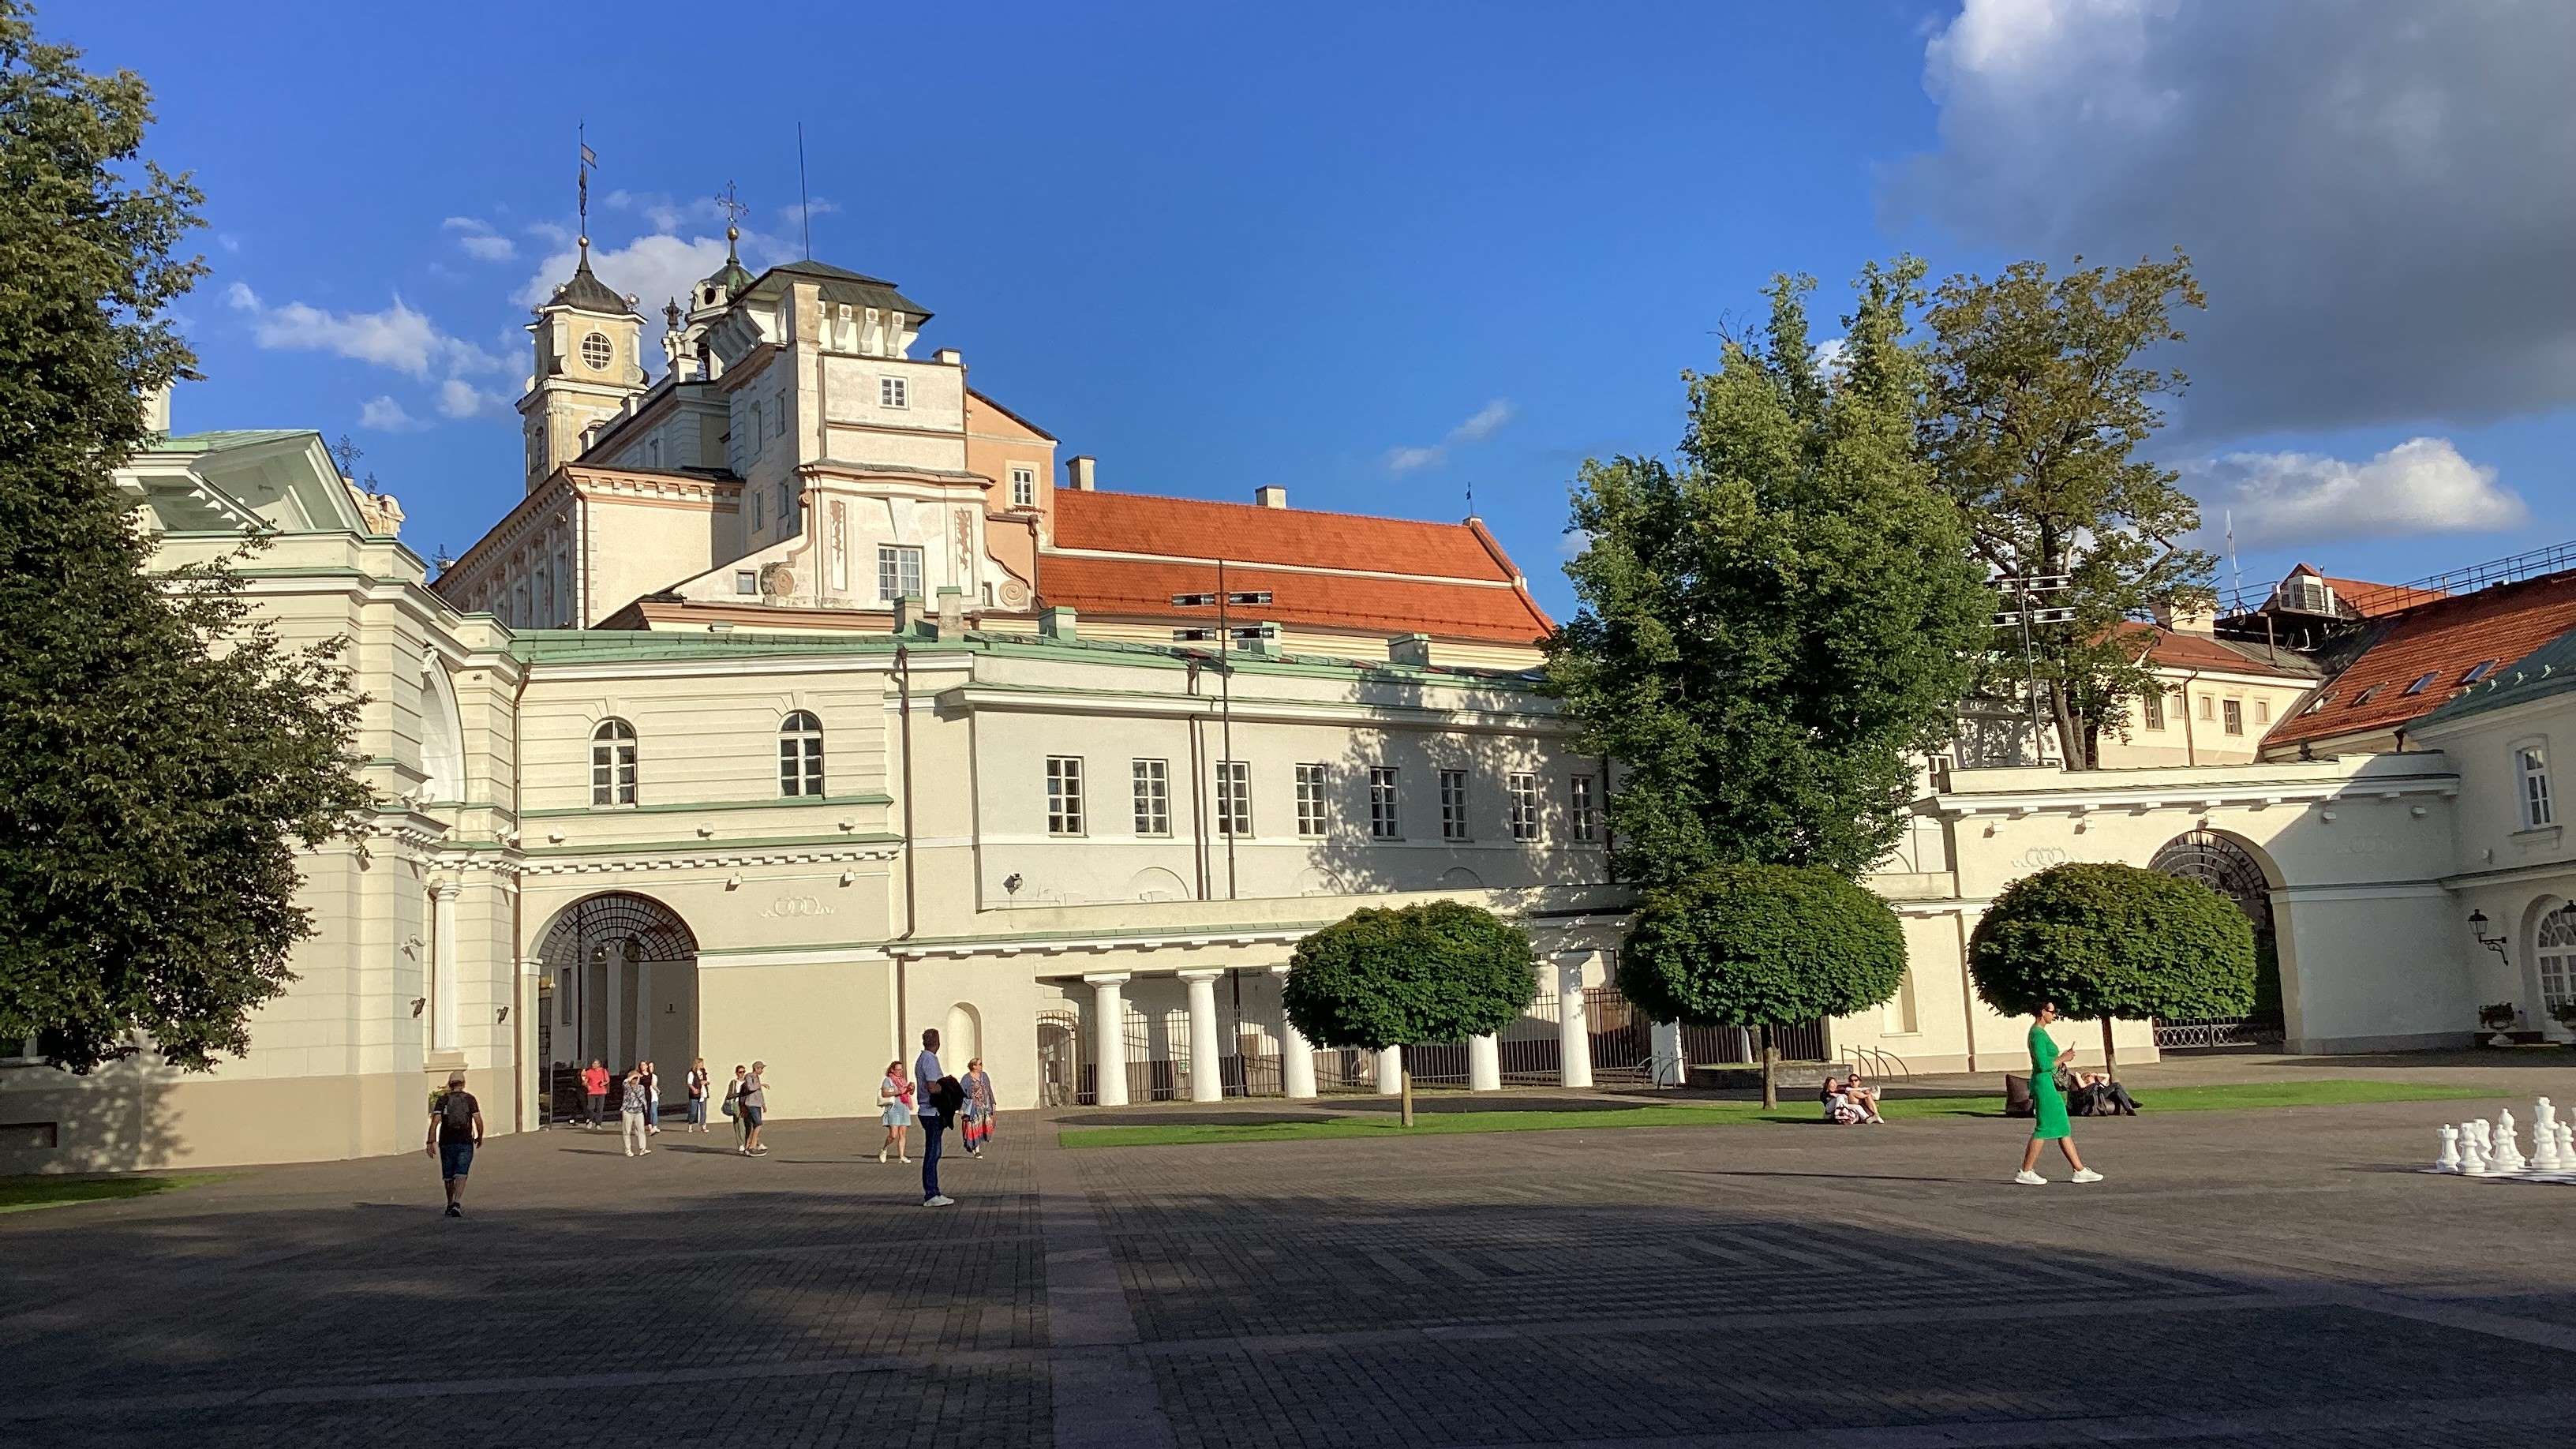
(2048, 1106)
(631, 1109)
(594, 1085)
(733, 1103)
(455, 1130)
(927, 1085)
(979, 1107)
(894, 1099)
(752, 1102)
(652, 1099)
(699, 1081)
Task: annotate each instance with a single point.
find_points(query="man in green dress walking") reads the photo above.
(2049, 1105)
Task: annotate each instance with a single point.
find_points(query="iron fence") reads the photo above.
(2219, 1031)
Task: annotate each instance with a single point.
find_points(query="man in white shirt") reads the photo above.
(934, 1123)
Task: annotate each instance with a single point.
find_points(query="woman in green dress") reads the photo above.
(2049, 1105)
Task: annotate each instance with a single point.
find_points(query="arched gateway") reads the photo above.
(2226, 866)
(621, 985)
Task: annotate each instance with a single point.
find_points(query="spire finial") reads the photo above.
(733, 210)
(589, 158)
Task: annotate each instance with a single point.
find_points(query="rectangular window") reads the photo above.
(898, 572)
(1024, 487)
(1383, 822)
(1153, 797)
(1453, 804)
(1524, 790)
(755, 433)
(2532, 763)
(894, 392)
(2235, 709)
(1233, 798)
(2262, 711)
(1064, 794)
(1310, 800)
(754, 495)
(745, 582)
(778, 416)
(2208, 706)
(2151, 708)
(1585, 814)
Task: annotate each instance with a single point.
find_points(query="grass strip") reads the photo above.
(2330, 1092)
(26, 1194)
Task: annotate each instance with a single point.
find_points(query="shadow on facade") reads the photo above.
(117, 1118)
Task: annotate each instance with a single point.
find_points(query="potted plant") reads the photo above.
(2565, 1013)
(2497, 1017)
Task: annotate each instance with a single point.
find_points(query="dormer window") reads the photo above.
(894, 392)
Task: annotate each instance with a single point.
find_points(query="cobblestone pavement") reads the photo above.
(2276, 1278)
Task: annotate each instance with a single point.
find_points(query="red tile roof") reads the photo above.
(2445, 638)
(1458, 584)
(2181, 649)
(1249, 533)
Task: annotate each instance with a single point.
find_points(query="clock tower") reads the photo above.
(588, 358)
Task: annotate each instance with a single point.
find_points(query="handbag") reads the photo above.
(728, 1102)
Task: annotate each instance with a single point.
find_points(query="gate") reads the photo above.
(1532, 1051)
(2228, 868)
(1623, 1040)
(1064, 1079)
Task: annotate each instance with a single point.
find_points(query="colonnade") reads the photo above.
(1297, 1055)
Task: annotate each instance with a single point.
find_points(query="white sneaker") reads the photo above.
(2030, 1179)
(2086, 1175)
(943, 1200)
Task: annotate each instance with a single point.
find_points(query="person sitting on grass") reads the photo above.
(1848, 1103)
(2096, 1095)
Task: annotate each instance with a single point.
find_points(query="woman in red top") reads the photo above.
(594, 1084)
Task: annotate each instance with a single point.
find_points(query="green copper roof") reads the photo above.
(2547, 670)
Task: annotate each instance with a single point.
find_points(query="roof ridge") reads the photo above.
(1260, 507)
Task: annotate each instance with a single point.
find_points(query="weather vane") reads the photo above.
(734, 211)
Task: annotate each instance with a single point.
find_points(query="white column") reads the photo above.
(1573, 1028)
(1207, 1065)
(1668, 1054)
(1296, 1054)
(1109, 1026)
(1390, 1071)
(442, 966)
(615, 1016)
(1484, 1064)
(644, 1010)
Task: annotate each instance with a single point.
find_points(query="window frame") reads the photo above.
(1314, 809)
(1583, 807)
(894, 392)
(1065, 812)
(896, 554)
(1151, 787)
(610, 775)
(2231, 716)
(1233, 782)
(1386, 802)
(1454, 821)
(1521, 789)
(2534, 796)
(2151, 710)
(800, 756)
(607, 347)
(1024, 486)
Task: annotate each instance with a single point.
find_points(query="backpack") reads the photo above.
(456, 1114)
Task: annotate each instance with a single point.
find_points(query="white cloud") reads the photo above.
(1484, 423)
(2377, 204)
(397, 337)
(650, 268)
(384, 415)
(479, 240)
(458, 398)
(1571, 544)
(2422, 485)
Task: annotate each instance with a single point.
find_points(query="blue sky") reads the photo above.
(1379, 255)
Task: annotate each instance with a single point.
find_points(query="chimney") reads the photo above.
(2187, 618)
(156, 409)
(1077, 470)
(1411, 649)
(1056, 623)
(951, 618)
(949, 356)
(1270, 495)
(907, 616)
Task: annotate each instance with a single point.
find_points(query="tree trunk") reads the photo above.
(1404, 1112)
(2110, 1059)
(1770, 1085)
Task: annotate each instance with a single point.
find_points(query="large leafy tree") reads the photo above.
(2043, 389)
(1762, 946)
(2114, 942)
(1434, 972)
(1773, 625)
(164, 752)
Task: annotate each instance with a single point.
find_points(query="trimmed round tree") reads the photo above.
(1761, 946)
(2113, 942)
(1439, 971)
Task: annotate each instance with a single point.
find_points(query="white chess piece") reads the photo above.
(2478, 1128)
(2473, 1154)
(2544, 1119)
(2449, 1158)
(2544, 1143)
(2566, 1148)
(2506, 1155)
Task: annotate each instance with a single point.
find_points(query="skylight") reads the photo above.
(2365, 696)
(2479, 670)
(2320, 702)
(2422, 682)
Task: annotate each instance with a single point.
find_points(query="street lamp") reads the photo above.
(2478, 927)
(1221, 600)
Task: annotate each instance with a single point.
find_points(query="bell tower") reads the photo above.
(589, 359)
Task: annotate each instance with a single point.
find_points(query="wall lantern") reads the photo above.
(2478, 925)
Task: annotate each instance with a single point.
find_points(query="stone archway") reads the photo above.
(2230, 867)
(621, 985)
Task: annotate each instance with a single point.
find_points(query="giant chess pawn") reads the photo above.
(2506, 1155)
(2449, 1158)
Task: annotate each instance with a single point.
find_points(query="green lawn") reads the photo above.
(25, 1194)
(2327, 1093)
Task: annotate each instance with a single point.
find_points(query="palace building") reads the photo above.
(807, 698)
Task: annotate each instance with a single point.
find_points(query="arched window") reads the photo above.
(612, 763)
(2554, 947)
(800, 755)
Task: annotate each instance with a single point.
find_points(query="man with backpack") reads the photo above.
(939, 1101)
(455, 1130)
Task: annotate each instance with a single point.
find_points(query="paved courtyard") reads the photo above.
(2269, 1278)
